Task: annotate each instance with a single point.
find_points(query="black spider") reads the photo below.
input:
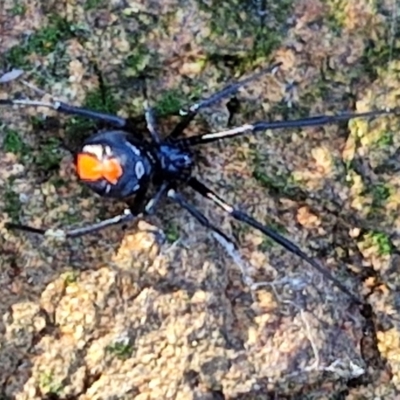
(119, 163)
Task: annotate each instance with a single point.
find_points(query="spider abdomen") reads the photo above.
(112, 165)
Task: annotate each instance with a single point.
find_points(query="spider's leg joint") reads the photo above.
(226, 207)
(55, 233)
(127, 211)
(275, 69)
(171, 193)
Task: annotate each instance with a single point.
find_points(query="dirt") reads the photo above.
(157, 309)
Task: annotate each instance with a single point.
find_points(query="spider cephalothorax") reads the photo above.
(119, 163)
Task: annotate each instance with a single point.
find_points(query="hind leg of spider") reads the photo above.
(72, 233)
(229, 90)
(275, 236)
(128, 215)
(179, 199)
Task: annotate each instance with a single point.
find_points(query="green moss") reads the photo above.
(101, 99)
(121, 350)
(378, 53)
(137, 61)
(45, 40)
(42, 42)
(264, 179)
(319, 91)
(71, 219)
(267, 40)
(16, 56)
(70, 277)
(335, 17)
(13, 143)
(18, 9)
(232, 22)
(380, 193)
(382, 241)
(169, 103)
(92, 4)
(280, 184)
(49, 155)
(37, 122)
(57, 181)
(172, 232)
(48, 384)
(12, 204)
(386, 139)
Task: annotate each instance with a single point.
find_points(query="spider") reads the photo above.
(120, 162)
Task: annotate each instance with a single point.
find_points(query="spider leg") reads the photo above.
(152, 203)
(179, 199)
(227, 91)
(72, 233)
(65, 108)
(136, 203)
(150, 120)
(127, 216)
(295, 123)
(139, 203)
(275, 236)
(150, 116)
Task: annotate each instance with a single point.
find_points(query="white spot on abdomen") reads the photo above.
(139, 169)
(95, 149)
(134, 148)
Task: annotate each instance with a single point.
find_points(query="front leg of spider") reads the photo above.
(229, 90)
(150, 117)
(65, 108)
(260, 126)
(115, 121)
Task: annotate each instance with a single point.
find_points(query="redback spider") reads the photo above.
(120, 162)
